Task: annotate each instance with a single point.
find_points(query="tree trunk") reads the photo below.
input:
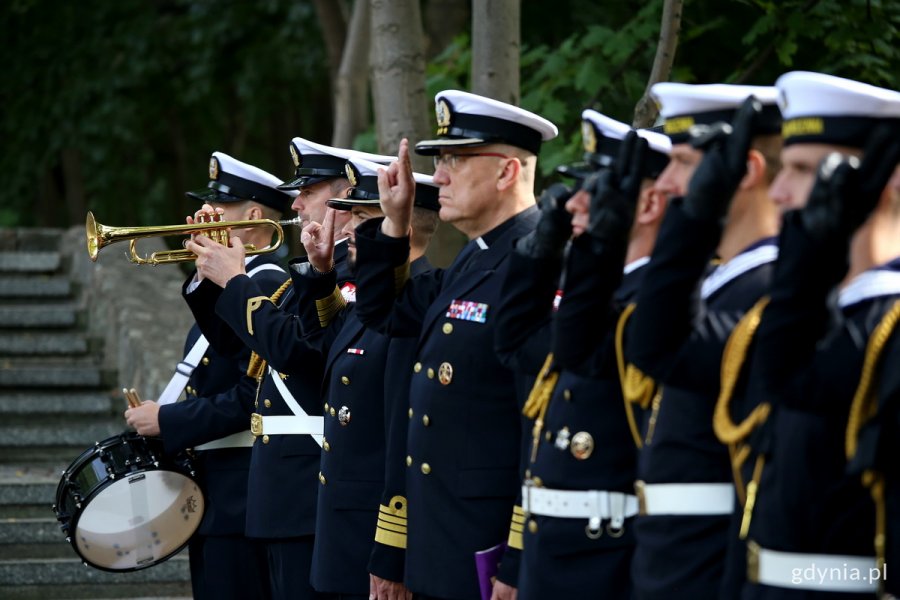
(351, 87)
(443, 21)
(646, 111)
(398, 93)
(495, 49)
(334, 33)
(398, 76)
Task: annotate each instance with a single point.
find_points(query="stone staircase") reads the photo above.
(56, 400)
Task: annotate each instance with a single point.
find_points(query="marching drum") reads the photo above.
(124, 505)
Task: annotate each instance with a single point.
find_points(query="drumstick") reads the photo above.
(129, 398)
(136, 396)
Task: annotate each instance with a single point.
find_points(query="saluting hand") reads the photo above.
(502, 591)
(724, 163)
(397, 190)
(318, 240)
(144, 418)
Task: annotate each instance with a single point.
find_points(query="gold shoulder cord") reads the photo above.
(257, 367)
(538, 401)
(732, 434)
(863, 409)
(637, 388)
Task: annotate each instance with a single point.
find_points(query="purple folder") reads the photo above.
(487, 564)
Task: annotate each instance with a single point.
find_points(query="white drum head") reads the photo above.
(139, 520)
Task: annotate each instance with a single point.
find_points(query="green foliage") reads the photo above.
(141, 92)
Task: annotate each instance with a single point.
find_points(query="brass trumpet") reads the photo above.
(99, 236)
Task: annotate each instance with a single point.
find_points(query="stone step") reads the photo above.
(54, 458)
(71, 571)
(76, 434)
(35, 287)
(30, 343)
(62, 402)
(16, 374)
(49, 316)
(180, 590)
(31, 531)
(30, 262)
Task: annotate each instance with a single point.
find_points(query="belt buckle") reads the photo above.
(752, 561)
(642, 499)
(256, 424)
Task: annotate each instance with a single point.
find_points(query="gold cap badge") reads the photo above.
(295, 156)
(213, 168)
(588, 137)
(443, 114)
(351, 174)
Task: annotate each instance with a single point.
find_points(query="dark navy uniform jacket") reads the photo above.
(678, 340)
(809, 367)
(219, 395)
(357, 417)
(559, 557)
(284, 469)
(464, 428)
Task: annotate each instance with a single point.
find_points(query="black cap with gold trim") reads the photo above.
(231, 180)
(317, 162)
(824, 109)
(466, 119)
(363, 177)
(684, 107)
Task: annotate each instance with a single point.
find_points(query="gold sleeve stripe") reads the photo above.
(382, 517)
(390, 538)
(396, 507)
(401, 276)
(517, 527)
(391, 527)
(329, 306)
(517, 519)
(518, 510)
(515, 540)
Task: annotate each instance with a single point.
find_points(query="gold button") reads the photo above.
(326, 407)
(409, 461)
(567, 394)
(548, 436)
(426, 468)
(447, 328)
(321, 478)
(189, 390)
(537, 482)
(332, 412)
(345, 380)
(410, 413)
(430, 373)
(425, 420)
(532, 526)
(267, 403)
(417, 367)
(205, 361)
(265, 439)
(326, 445)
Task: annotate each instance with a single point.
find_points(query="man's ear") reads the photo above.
(756, 170)
(651, 204)
(509, 175)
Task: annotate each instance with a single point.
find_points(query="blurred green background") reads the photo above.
(115, 106)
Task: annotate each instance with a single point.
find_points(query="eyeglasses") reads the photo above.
(450, 160)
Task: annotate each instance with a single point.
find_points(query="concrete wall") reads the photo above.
(136, 310)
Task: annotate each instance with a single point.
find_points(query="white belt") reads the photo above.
(594, 505)
(289, 425)
(696, 499)
(821, 572)
(241, 439)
